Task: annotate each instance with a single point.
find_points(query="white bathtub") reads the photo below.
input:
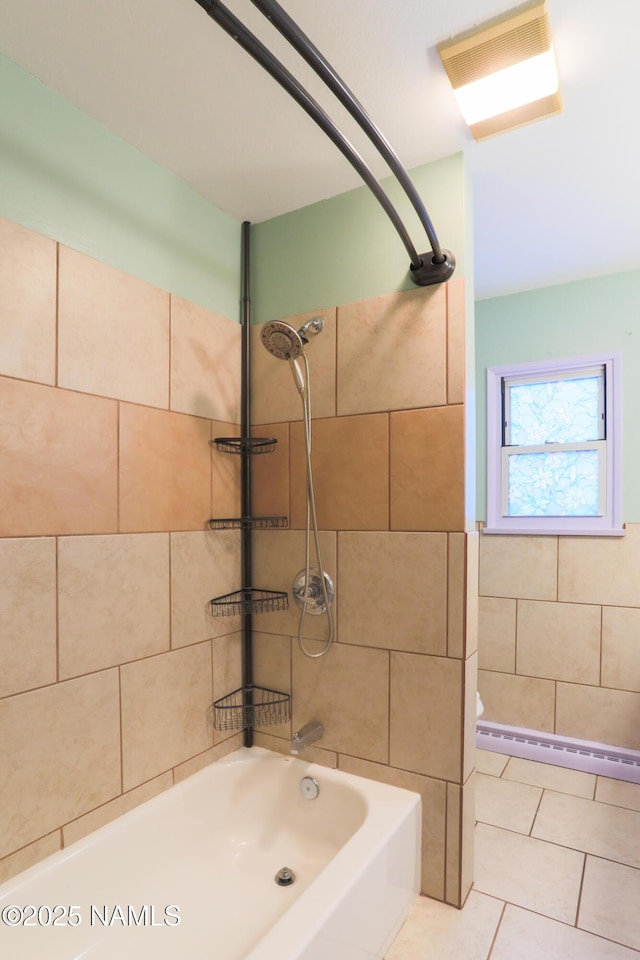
(190, 873)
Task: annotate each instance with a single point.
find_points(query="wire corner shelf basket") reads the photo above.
(248, 601)
(247, 523)
(245, 445)
(251, 706)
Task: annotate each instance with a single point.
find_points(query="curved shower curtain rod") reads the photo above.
(425, 269)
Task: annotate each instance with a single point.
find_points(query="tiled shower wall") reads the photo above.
(110, 392)
(396, 694)
(559, 622)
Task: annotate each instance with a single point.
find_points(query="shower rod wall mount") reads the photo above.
(431, 271)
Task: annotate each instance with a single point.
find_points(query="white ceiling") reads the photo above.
(554, 201)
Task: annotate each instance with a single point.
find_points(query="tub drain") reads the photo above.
(285, 877)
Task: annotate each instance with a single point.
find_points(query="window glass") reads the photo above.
(555, 411)
(562, 484)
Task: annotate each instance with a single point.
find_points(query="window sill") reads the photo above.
(552, 532)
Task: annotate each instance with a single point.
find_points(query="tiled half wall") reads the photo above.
(559, 622)
(110, 392)
(396, 694)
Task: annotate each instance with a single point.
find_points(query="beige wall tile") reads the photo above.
(469, 721)
(274, 397)
(433, 794)
(560, 641)
(620, 660)
(115, 808)
(225, 474)
(448, 933)
(14, 864)
(468, 853)
(392, 352)
(312, 754)
(460, 841)
(227, 678)
(165, 470)
(456, 595)
(166, 704)
(272, 669)
(426, 715)
(497, 634)
(189, 767)
(545, 939)
(455, 341)
(62, 746)
(394, 590)
(427, 469)
(470, 600)
(27, 614)
(518, 701)
(609, 902)
(203, 566)
(205, 362)
(350, 471)
(530, 873)
(278, 555)
(60, 456)
(519, 567)
(595, 713)
(347, 691)
(28, 265)
(270, 474)
(601, 569)
(113, 595)
(113, 332)
(600, 829)
(454, 843)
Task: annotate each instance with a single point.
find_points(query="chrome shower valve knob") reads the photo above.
(313, 596)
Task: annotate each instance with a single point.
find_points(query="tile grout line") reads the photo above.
(579, 903)
(120, 727)
(535, 816)
(57, 310)
(57, 576)
(495, 936)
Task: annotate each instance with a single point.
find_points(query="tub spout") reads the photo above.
(306, 735)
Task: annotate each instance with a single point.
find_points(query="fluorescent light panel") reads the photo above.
(508, 89)
(504, 72)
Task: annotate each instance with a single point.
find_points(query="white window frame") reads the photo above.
(609, 449)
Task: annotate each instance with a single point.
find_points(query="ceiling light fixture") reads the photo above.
(504, 72)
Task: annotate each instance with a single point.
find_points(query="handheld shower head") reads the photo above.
(285, 343)
(281, 340)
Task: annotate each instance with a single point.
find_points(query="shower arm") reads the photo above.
(289, 29)
(424, 269)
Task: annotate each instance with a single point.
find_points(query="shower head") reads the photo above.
(281, 340)
(285, 343)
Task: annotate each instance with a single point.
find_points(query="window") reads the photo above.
(554, 447)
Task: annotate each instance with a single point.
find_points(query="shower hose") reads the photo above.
(303, 386)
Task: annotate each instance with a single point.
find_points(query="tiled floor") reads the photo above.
(557, 873)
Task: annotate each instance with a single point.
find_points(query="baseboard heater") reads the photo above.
(590, 757)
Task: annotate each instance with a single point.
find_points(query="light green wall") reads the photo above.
(66, 176)
(346, 249)
(588, 316)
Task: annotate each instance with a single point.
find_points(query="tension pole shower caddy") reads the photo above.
(251, 706)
